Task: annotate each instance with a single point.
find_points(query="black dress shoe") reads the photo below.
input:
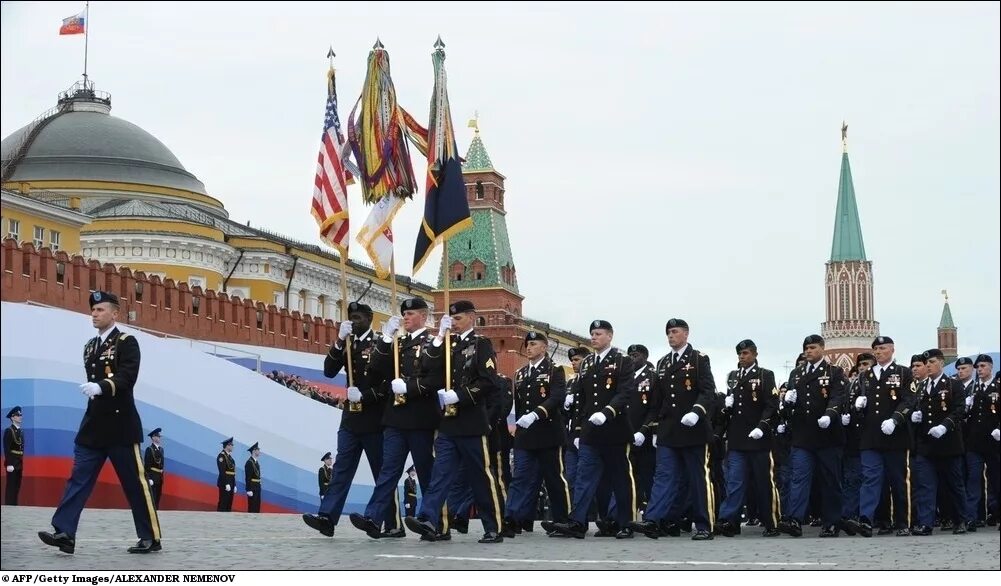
(624, 533)
(702, 535)
(816, 522)
(753, 522)
(394, 533)
(884, 531)
(65, 543)
(547, 526)
(903, 532)
(446, 536)
(863, 527)
(571, 529)
(791, 527)
(959, 529)
(668, 529)
(145, 546)
(727, 528)
(991, 520)
(365, 524)
(507, 528)
(921, 530)
(649, 528)
(528, 526)
(947, 525)
(491, 537)
(606, 528)
(971, 527)
(980, 523)
(319, 522)
(422, 527)
(830, 531)
(771, 533)
(460, 524)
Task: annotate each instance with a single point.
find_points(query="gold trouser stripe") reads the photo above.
(775, 490)
(632, 485)
(907, 484)
(397, 520)
(147, 497)
(709, 493)
(985, 489)
(500, 476)
(491, 482)
(563, 478)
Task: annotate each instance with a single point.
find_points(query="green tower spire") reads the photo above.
(847, 244)
(946, 322)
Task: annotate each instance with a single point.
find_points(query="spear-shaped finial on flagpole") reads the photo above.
(378, 46)
(331, 55)
(439, 44)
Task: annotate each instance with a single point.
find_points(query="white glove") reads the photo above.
(527, 420)
(91, 390)
(791, 396)
(444, 324)
(937, 431)
(227, 488)
(728, 401)
(568, 401)
(824, 422)
(598, 418)
(756, 433)
(354, 394)
(996, 434)
(916, 416)
(638, 439)
(780, 428)
(345, 330)
(846, 419)
(448, 397)
(860, 403)
(576, 442)
(888, 426)
(399, 387)
(250, 493)
(969, 402)
(654, 441)
(690, 419)
(11, 468)
(150, 481)
(389, 328)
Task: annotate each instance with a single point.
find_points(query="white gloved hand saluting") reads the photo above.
(345, 330)
(354, 394)
(91, 390)
(790, 396)
(756, 433)
(389, 328)
(916, 416)
(690, 419)
(227, 488)
(568, 401)
(443, 325)
(824, 422)
(399, 387)
(888, 426)
(598, 418)
(937, 431)
(860, 403)
(728, 401)
(846, 419)
(638, 439)
(527, 420)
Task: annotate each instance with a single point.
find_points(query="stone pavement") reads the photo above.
(209, 541)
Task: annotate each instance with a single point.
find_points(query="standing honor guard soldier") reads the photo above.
(815, 400)
(643, 454)
(982, 422)
(153, 462)
(111, 428)
(685, 393)
(325, 473)
(13, 455)
(226, 479)
(751, 406)
(409, 381)
(886, 403)
(461, 444)
(604, 387)
(252, 479)
(539, 392)
(410, 492)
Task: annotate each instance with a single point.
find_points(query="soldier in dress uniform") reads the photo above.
(540, 389)
(111, 428)
(982, 453)
(815, 400)
(462, 444)
(965, 374)
(604, 386)
(361, 421)
(153, 462)
(252, 479)
(684, 396)
(411, 414)
(325, 473)
(643, 454)
(939, 445)
(851, 475)
(570, 456)
(751, 406)
(410, 492)
(13, 455)
(226, 479)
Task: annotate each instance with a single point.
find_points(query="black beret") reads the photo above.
(461, 307)
(537, 336)
(227, 442)
(102, 297)
(801, 358)
(918, 358)
(985, 358)
(865, 356)
(355, 307)
(964, 361)
(572, 352)
(14, 412)
(638, 348)
(934, 353)
(746, 345)
(675, 322)
(155, 432)
(253, 447)
(880, 340)
(812, 339)
(325, 456)
(600, 324)
(415, 303)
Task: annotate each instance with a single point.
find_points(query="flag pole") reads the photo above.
(86, 39)
(448, 333)
(392, 308)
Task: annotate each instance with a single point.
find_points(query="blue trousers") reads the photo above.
(570, 458)
(756, 465)
(87, 464)
(886, 467)
(595, 461)
(668, 499)
(350, 446)
(932, 472)
(460, 495)
(454, 455)
(827, 462)
(396, 444)
(531, 468)
(782, 474)
(980, 468)
(851, 486)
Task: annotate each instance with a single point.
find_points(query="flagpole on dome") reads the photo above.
(86, 39)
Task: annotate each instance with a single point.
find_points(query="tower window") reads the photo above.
(479, 276)
(479, 190)
(481, 321)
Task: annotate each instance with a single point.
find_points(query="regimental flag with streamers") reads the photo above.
(446, 211)
(376, 236)
(74, 25)
(333, 175)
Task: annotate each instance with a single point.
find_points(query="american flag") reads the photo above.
(330, 196)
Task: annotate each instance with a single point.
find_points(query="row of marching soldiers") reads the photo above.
(624, 436)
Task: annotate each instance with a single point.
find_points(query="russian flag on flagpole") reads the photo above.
(74, 25)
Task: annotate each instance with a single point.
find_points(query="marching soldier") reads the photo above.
(325, 473)
(642, 454)
(570, 456)
(851, 475)
(13, 455)
(226, 479)
(252, 479)
(153, 462)
(964, 374)
(411, 414)
(939, 446)
(603, 389)
(461, 444)
(751, 407)
(815, 400)
(410, 492)
(982, 440)
(539, 393)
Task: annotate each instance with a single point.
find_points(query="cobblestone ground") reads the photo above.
(210, 541)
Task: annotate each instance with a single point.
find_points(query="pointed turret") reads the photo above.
(847, 244)
(477, 159)
(947, 332)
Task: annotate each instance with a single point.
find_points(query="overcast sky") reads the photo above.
(661, 161)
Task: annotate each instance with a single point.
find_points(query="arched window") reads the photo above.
(481, 321)
(862, 301)
(479, 190)
(845, 298)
